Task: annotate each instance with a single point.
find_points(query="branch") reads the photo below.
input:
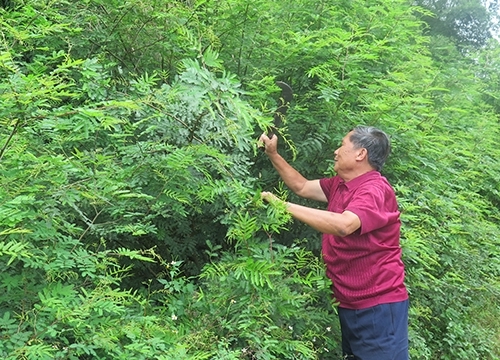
(2, 152)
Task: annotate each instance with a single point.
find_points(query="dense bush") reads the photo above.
(130, 219)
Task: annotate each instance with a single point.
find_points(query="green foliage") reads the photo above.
(276, 303)
(130, 219)
(468, 23)
(450, 223)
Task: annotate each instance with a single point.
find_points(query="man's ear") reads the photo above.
(362, 154)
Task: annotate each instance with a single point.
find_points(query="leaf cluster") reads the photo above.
(130, 219)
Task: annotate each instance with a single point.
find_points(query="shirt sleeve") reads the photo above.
(327, 185)
(376, 208)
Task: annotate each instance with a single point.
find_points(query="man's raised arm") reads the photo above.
(309, 189)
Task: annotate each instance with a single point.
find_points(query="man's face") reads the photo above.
(345, 156)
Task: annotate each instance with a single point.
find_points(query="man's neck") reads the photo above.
(355, 173)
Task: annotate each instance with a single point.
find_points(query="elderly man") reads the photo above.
(361, 250)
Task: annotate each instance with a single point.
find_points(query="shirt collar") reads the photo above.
(357, 181)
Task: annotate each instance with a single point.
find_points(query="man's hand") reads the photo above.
(269, 197)
(270, 144)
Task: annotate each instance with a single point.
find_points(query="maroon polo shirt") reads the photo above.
(365, 267)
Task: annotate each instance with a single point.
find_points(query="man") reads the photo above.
(361, 229)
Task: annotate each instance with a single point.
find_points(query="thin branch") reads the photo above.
(14, 130)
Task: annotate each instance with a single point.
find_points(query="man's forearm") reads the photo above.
(324, 221)
(292, 178)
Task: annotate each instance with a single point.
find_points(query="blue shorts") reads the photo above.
(375, 333)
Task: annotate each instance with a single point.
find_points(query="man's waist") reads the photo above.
(366, 300)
